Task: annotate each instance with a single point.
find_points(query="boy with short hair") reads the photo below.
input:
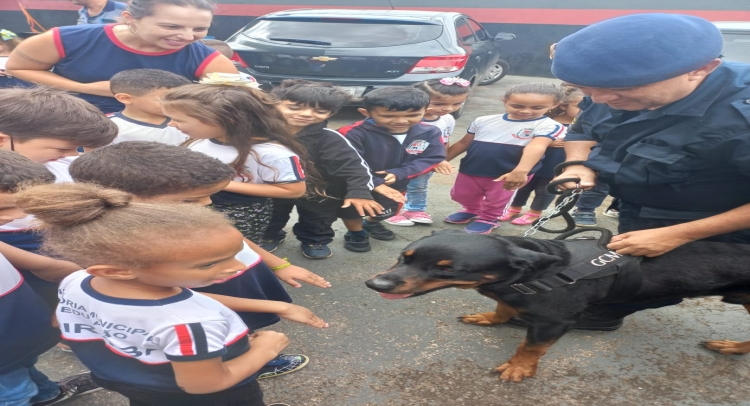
(397, 146)
(25, 328)
(142, 119)
(347, 193)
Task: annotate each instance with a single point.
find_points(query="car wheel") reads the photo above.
(495, 73)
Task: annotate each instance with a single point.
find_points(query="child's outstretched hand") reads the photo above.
(390, 193)
(444, 168)
(302, 315)
(292, 273)
(389, 178)
(513, 180)
(365, 207)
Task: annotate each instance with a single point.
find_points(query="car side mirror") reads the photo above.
(504, 36)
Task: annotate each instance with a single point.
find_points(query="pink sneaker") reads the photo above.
(399, 220)
(509, 215)
(417, 217)
(525, 220)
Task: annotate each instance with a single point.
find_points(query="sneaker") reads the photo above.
(612, 213)
(509, 215)
(417, 217)
(378, 231)
(316, 251)
(282, 365)
(584, 218)
(399, 220)
(356, 242)
(525, 220)
(72, 386)
(481, 227)
(461, 217)
(271, 244)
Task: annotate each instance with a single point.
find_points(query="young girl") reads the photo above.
(564, 114)
(8, 42)
(190, 349)
(503, 151)
(241, 127)
(446, 96)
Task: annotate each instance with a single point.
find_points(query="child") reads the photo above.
(306, 107)
(155, 172)
(8, 42)
(142, 119)
(446, 96)
(46, 126)
(564, 114)
(397, 147)
(25, 328)
(241, 127)
(503, 151)
(191, 349)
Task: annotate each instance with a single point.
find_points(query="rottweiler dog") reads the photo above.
(491, 263)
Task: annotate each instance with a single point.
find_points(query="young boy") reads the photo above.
(306, 107)
(155, 172)
(142, 119)
(25, 328)
(397, 147)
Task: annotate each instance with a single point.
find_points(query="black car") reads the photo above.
(363, 49)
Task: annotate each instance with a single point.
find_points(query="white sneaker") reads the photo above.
(418, 217)
(612, 213)
(399, 220)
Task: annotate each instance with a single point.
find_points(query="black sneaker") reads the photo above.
(71, 386)
(583, 324)
(356, 242)
(584, 218)
(378, 231)
(271, 244)
(282, 365)
(316, 251)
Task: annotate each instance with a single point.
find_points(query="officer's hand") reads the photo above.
(586, 175)
(647, 243)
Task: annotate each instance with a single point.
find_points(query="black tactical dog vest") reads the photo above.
(591, 259)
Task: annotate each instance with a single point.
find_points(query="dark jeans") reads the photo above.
(542, 198)
(592, 198)
(314, 222)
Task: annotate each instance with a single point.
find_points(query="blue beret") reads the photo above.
(636, 50)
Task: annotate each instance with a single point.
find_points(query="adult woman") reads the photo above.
(157, 34)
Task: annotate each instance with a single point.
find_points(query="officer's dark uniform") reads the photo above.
(686, 161)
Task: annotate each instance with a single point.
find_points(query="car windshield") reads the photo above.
(344, 33)
(737, 47)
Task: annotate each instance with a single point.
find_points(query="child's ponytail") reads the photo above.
(70, 206)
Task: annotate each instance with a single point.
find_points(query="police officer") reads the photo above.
(669, 131)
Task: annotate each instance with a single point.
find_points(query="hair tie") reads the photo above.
(230, 79)
(455, 81)
(7, 35)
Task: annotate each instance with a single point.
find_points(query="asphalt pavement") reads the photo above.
(413, 352)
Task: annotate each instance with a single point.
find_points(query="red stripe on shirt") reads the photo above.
(298, 165)
(58, 42)
(202, 67)
(185, 339)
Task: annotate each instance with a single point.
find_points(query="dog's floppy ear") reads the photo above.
(526, 260)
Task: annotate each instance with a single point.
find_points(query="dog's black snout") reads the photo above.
(381, 284)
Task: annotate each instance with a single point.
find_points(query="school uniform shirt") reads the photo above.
(25, 323)
(552, 158)
(10, 81)
(267, 163)
(129, 129)
(92, 53)
(257, 281)
(110, 14)
(419, 152)
(499, 142)
(133, 341)
(446, 123)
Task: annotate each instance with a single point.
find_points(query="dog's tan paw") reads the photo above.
(482, 319)
(728, 347)
(510, 372)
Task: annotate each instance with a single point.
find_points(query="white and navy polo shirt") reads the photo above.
(499, 142)
(446, 123)
(129, 129)
(134, 341)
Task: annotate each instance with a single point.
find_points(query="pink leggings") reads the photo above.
(481, 196)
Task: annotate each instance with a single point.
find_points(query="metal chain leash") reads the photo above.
(554, 212)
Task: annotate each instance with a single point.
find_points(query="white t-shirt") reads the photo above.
(267, 163)
(399, 137)
(134, 130)
(446, 123)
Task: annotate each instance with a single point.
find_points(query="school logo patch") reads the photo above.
(524, 134)
(417, 147)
